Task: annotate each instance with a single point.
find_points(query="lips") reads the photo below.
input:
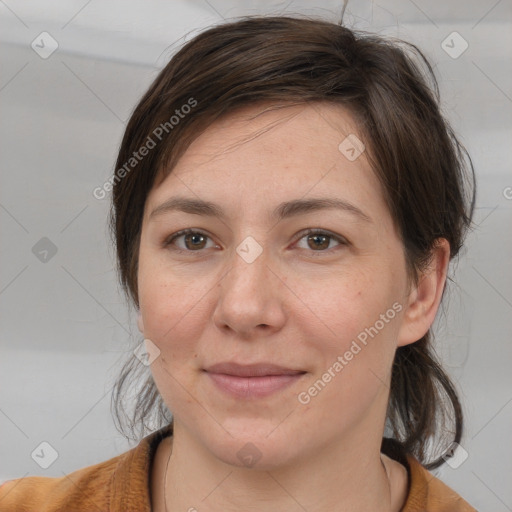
(251, 381)
(251, 370)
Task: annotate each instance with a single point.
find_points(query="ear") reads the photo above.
(425, 297)
(140, 323)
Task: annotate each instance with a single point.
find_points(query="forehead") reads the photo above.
(259, 156)
(313, 130)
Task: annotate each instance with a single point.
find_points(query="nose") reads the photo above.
(249, 298)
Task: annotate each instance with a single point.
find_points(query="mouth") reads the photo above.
(252, 381)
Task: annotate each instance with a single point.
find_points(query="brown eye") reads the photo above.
(321, 241)
(193, 241)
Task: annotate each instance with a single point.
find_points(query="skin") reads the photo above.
(299, 304)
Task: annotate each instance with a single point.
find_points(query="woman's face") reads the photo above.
(250, 286)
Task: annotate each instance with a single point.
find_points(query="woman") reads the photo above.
(286, 201)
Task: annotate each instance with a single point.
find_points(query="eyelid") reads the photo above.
(342, 241)
(319, 231)
(170, 239)
(308, 231)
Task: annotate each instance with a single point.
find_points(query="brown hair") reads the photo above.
(390, 89)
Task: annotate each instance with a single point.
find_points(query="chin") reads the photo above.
(253, 444)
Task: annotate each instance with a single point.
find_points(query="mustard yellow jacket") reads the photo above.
(122, 484)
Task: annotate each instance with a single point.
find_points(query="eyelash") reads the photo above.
(341, 240)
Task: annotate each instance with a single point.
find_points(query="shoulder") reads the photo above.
(85, 487)
(428, 493)
(120, 483)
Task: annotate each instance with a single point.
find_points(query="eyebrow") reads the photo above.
(284, 210)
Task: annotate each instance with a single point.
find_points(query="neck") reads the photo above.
(346, 475)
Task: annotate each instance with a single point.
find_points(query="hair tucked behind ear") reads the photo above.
(426, 175)
(418, 386)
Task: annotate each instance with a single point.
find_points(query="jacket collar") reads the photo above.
(130, 485)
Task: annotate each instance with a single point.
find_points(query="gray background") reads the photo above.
(65, 327)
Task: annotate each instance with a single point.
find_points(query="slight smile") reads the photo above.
(252, 381)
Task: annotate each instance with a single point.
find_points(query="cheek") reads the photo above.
(353, 364)
(348, 302)
(171, 306)
(172, 309)
(356, 320)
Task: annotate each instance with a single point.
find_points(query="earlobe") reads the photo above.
(425, 297)
(140, 323)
